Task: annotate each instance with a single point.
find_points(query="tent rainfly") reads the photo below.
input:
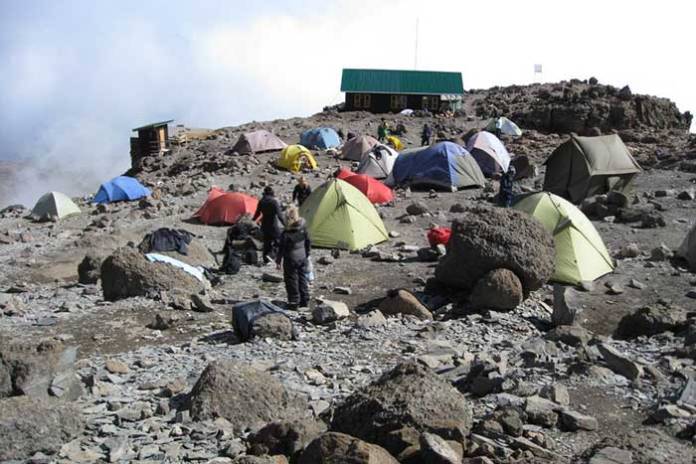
(374, 190)
(444, 165)
(586, 166)
(355, 148)
(296, 158)
(378, 162)
(338, 215)
(121, 188)
(320, 138)
(54, 205)
(257, 142)
(225, 207)
(503, 125)
(580, 252)
(489, 152)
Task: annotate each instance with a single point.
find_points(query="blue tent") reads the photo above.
(321, 137)
(445, 165)
(119, 189)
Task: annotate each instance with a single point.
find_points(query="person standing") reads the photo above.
(272, 223)
(293, 257)
(505, 195)
(382, 131)
(301, 191)
(426, 135)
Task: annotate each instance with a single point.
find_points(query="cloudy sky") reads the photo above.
(78, 75)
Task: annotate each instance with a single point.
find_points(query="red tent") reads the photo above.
(225, 207)
(374, 190)
(343, 173)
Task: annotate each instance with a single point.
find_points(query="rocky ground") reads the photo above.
(470, 386)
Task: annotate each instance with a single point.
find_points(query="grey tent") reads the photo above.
(257, 142)
(54, 204)
(357, 147)
(586, 166)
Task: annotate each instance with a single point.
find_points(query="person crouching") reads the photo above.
(293, 255)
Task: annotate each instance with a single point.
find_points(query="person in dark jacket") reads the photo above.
(302, 191)
(426, 135)
(272, 223)
(293, 256)
(505, 195)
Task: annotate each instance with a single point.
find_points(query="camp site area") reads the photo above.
(431, 304)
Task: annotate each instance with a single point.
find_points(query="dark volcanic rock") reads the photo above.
(127, 273)
(339, 448)
(396, 408)
(286, 438)
(500, 289)
(486, 239)
(31, 425)
(244, 396)
(650, 320)
(89, 269)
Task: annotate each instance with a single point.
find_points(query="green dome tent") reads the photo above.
(585, 166)
(338, 215)
(580, 251)
(54, 204)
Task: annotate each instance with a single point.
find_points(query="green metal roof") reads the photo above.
(407, 82)
(153, 125)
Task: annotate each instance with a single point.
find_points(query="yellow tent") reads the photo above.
(295, 158)
(395, 142)
(580, 251)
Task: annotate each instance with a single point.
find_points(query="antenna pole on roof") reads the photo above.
(415, 59)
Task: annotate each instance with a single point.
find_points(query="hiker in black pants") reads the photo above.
(426, 135)
(302, 191)
(506, 195)
(272, 223)
(294, 256)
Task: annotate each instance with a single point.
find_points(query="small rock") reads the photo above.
(343, 290)
(619, 363)
(574, 421)
(374, 318)
(329, 311)
(417, 208)
(435, 450)
(202, 303)
(636, 284)
(614, 288)
(273, 278)
(116, 367)
(611, 455)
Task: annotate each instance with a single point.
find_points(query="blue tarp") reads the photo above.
(441, 165)
(119, 189)
(321, 137)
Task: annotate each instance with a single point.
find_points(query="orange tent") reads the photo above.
(225, 207)
(374, 190)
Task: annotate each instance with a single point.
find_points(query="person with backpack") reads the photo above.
(505, 194)
(382, 131)
(293, 257)
(301, 191)
(426, 135)
(272, 223)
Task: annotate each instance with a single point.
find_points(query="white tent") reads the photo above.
(378, 162)
(54, 204)
(504, 126)
(489, 152)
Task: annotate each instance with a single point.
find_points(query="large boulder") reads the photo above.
(486, 239)
(404, 402)
(30, 425)
(246, 397)
(39, 371)
(499, 289)
(127, 273)
(196, 255)
(687, 249)
(339, 448)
